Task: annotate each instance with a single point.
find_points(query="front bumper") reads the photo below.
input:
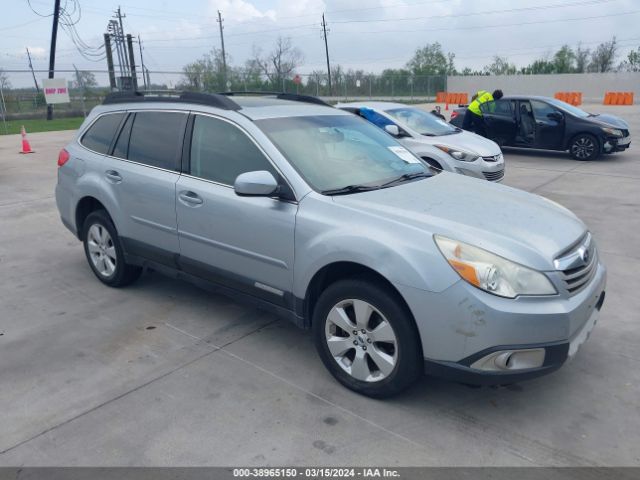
(554, 356)
(616, 144)
(462, 325)
(486, 168)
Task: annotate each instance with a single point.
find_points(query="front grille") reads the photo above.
(494, 176)
(492, 158)
(578, 274)
(625, 133)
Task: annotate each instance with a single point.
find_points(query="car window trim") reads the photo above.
(186, 164)
(119, 132)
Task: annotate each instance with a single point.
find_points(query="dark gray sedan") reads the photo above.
(549, 124)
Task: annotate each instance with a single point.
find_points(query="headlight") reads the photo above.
(492, 273)
(612, 131)
(459, 154)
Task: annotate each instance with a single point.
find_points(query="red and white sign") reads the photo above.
(297, 80)
(55, 90)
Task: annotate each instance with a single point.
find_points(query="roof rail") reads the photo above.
(294, 97)
(210, 99)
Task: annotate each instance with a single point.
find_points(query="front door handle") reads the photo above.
(190, 198)
(113, 176)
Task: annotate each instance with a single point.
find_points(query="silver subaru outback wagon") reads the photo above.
(319, 216)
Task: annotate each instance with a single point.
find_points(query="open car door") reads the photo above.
(499, 121)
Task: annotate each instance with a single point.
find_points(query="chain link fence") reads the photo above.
(19, 98)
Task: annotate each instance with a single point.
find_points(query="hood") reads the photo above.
(464, 140)
(611, 121)
(517, 225)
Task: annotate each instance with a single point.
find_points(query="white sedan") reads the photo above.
(437, 142)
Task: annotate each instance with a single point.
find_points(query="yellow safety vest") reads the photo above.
(482, 98)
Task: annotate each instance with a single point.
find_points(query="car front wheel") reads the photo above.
(584, 147)
(104, 252)
(366, 338)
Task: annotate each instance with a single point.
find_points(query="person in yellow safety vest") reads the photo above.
(473, 116)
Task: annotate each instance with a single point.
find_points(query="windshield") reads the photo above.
(578, 112)
(422, 122)
(337, 151)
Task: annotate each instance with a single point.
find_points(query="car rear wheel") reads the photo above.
(584, 147)
(366, 338)
(104, 251)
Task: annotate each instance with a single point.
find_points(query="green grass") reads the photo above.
(40, 125)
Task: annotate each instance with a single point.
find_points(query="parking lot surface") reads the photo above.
(163, 373)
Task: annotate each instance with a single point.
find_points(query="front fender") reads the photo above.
(410, 260)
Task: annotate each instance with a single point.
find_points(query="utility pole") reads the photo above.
(326, 48)
(82, 89)
(132, 60)
(52, 50)
(114, 29)
(120, 17)
(32, 72)
(112, 73)
(224, 55)
(144, 78)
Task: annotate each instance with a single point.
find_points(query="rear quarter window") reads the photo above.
(100, 134)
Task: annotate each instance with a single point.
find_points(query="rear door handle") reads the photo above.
(113, 176)
(190, 198)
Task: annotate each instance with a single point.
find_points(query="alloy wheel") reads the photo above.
(361, 340)
(583, 148)
(102, 251)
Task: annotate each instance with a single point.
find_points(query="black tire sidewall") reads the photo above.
(596, 142)
(101, 218)
(409, 364)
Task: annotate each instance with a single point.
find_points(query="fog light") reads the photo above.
(509, 360)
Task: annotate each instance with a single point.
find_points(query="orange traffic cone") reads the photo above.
(26, 148)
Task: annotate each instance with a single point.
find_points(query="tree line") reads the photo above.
(277, 66)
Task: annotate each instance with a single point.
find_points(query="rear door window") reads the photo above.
(100, 134)
(156, 139)
(497, 107)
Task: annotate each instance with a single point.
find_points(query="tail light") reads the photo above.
(63, 157)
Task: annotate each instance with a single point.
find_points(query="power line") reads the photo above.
(36, 12)
(488, 12)
(499, 25)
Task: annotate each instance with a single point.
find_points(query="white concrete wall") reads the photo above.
(592, 85)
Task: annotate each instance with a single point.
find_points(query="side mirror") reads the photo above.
(256, 184)
(557, 116)
(392, 129)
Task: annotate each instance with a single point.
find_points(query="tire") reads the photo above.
(382, 361)
(104, 252)
(584, 147)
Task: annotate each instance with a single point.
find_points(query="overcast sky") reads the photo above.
(370, 35)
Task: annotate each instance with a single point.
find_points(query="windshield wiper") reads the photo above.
(406, 177)
(350, 189)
